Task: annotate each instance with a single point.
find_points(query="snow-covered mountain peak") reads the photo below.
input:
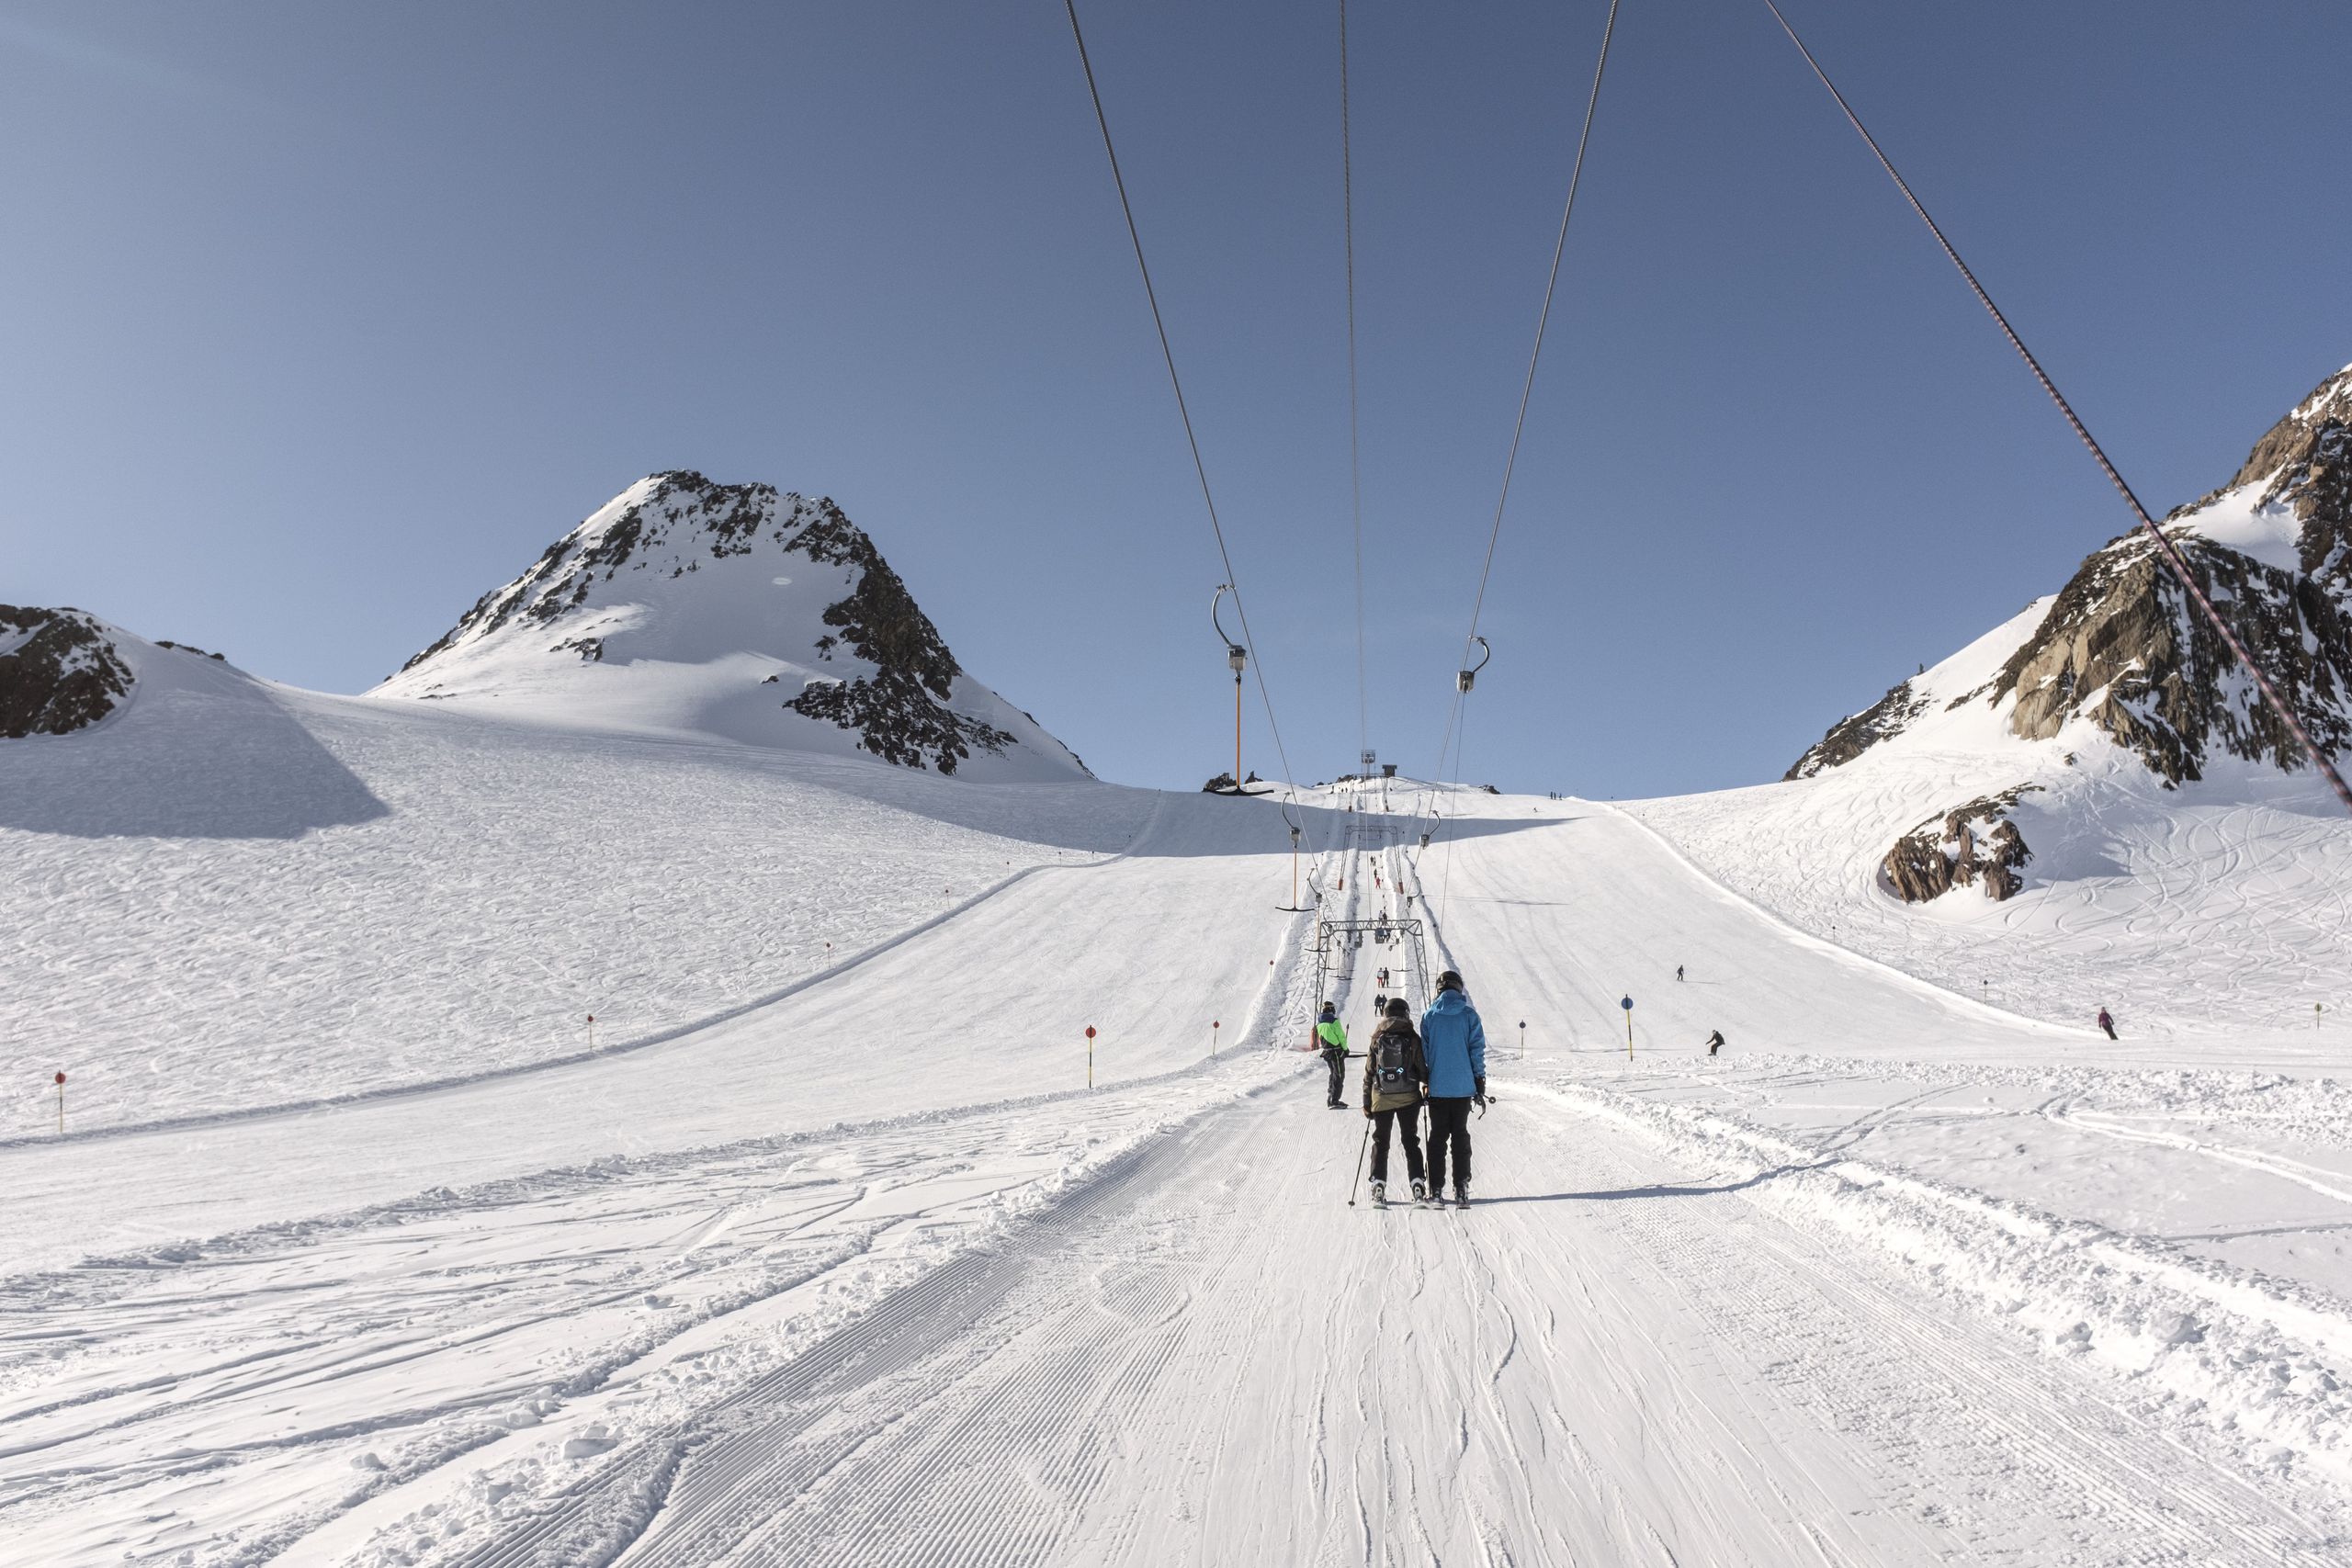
(2119, 676)
(760, 616)
(2297, 485)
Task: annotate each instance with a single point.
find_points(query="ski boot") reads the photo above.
(1380, 1194)
(1461, 1194)
(1421, 1198)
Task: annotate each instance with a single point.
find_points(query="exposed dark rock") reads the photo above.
(2125, 639)
(2124, 646)
(897, 721)
(1849, 738)
(58, 673)
(1918, 868)
(899, 710)
(1949, 852)
(188, 647)
(1221, 784)
(2307, 459)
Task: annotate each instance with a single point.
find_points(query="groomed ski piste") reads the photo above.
(832, 1256)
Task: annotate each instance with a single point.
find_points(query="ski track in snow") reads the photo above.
(862, 1275)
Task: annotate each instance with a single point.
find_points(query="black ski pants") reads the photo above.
(1449, 1127)
(1407, 1122)
(1339, 1060)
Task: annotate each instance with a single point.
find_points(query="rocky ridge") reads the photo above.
(2122, 650)
(60, 672)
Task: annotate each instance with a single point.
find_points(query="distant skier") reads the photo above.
(2106, 1023)
(1714, 1041)
(1455, 1043)
(1332, 1035)
(1394, 1072)
(1678, 973)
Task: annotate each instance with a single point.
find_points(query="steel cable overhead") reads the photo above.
(2171, 553)
(1527, 388)
(1200, 468)
(1355, 461)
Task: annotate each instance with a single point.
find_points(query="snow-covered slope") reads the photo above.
(2096, 777)
(687, 608)
(806, 1286)
(231, 892)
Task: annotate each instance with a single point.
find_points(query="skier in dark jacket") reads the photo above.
(1453, 1042)
(1714, 1041)
(1394, 1072)
(1331, 1035)
(2106, 1023)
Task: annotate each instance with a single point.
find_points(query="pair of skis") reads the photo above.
(1434, 1200)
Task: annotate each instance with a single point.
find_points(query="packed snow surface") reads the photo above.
(861, 1269)
(254, 896)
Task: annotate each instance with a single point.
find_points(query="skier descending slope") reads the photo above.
(1332, 1035)
(1454, 1043)
(1394, 1072)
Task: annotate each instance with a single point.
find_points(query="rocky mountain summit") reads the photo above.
(686, 604)
(2121, 654)
(60, 672)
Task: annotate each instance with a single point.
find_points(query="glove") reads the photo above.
(1479, 1098)
(1481, 1087)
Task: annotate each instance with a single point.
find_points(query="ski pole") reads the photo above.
(1360, 1152)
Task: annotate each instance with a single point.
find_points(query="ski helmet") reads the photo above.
(1449, 981)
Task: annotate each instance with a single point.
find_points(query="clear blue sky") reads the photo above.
(319, 320)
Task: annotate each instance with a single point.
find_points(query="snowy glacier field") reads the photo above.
(355, 1250)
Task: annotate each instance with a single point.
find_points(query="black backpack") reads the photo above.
(1395, 1058)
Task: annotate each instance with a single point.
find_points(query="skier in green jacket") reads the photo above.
(1332, 1035)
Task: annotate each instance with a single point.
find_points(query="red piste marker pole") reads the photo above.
(1214, 1026)
(1090, 1056)
(592, 1033)
(61, 1102)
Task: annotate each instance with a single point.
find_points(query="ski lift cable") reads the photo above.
(2165, 546)
(1355, 460)
(1184, 411)
(1535, 353)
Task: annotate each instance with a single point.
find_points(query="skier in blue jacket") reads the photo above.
(1455, 1043)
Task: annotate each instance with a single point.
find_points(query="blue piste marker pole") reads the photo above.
(1628, 1005)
